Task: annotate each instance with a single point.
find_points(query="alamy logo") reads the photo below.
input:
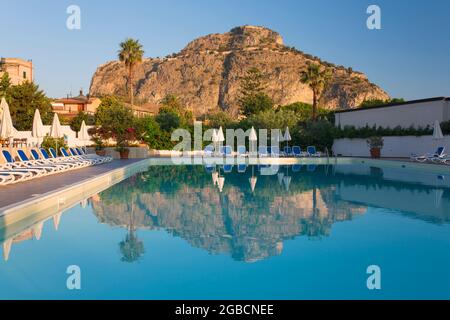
(74, 280)
(73, 21)
(374, 20)
(374, 279)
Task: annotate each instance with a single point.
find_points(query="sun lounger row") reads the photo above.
(43, 163)
(264, 151)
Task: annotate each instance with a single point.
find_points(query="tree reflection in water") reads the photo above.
(249, 226)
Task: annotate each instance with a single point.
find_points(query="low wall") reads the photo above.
(135, 152)
(398, 147)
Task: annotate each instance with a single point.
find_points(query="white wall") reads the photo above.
(393, 146)
(415, 114)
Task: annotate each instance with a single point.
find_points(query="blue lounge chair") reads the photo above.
(209, 168)
(68, 156)
(77, 154)
(242, 167)
(242, 151)
(227, 168)
(225, 151)
(297, 152)
(438, 156)
(262, 151)
(287, 151)
(312, 152)
(36, 155)
(36, 163)
(22, 165)
(208, 151)
(296, 167)
(49, 157)
(275, 151)
(11, 172)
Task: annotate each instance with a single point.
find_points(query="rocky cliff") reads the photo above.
(206, 74)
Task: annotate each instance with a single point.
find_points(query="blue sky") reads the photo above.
(409, 57)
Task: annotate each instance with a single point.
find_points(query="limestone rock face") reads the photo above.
(206, 74)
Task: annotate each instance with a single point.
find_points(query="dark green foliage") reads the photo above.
(252, 96)
(5, 84)
(23, 100)
(75, 123)
(54, 143)
(168, 119)
(251, 105)
(377, 102)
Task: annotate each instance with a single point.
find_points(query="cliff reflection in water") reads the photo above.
(248, 225)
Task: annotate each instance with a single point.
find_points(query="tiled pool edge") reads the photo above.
(60, 198)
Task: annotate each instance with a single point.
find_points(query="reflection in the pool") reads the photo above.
(248, 211)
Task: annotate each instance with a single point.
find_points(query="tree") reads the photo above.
(168, 119)
(23, 100)
(130, 54)
(5, 84)
(171, 103)
(316, 78)
(75, 123)
(116, 121)
(252, 98)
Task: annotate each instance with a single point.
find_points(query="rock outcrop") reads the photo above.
(206, 74)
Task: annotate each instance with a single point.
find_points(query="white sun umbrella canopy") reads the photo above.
(83, 134)
(253, 138)
(220, 183)
(437, 131)
(252, 182)
(56, 130)
(6, 127)
(220, 135)
(287, 135)
(38, 128)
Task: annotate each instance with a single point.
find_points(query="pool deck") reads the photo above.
(16, 193)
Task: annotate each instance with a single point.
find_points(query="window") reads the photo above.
(24, 74)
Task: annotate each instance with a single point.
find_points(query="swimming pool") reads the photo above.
(220, 232)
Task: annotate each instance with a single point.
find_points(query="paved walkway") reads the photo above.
(21, 191)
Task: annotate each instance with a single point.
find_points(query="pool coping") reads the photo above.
(63, 198)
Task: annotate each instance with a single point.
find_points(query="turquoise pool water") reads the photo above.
(305, 232)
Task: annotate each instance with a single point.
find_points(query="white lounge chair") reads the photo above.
(437, 156)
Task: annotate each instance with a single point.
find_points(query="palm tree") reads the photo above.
(316, 79)
(131, 54)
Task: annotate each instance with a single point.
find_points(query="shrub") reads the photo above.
(54, 143)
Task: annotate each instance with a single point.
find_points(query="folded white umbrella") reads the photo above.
(252, 181)
(437, 131)
(56, 130)
(214, 137)
(253, 138)
(38, 128)
(287, 135)
(220, 135)
(6, 127)
(220, 183)
(83, 133)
